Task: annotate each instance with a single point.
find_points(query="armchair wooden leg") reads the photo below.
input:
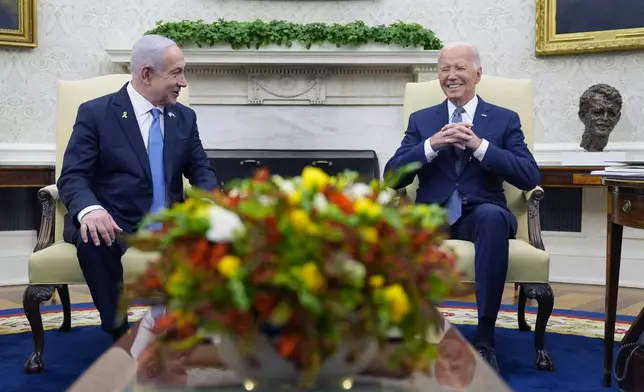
(31, 300)
(65, 301)
(542, 292)
(523, 299)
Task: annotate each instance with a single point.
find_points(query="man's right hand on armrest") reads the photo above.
(95, 221)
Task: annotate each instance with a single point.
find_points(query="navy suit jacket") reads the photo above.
(506, 159)
(106, 162)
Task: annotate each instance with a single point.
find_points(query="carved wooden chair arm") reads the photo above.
(48, 197)
(533, 197)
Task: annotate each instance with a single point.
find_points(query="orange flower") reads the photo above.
(164, 323)
(287, 344)
(261, 175)
(339, 199)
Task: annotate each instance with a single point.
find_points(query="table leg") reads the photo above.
(613, 261)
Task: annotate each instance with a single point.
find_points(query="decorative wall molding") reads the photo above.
(287, 88)
(25, 154)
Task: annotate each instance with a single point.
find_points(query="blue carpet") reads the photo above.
(578, 360)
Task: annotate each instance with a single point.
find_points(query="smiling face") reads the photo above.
(458, 74)
(164, 85)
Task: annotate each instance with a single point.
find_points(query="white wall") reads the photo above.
(73, 36)
(581, 257)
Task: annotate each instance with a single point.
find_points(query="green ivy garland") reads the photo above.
(260, 33)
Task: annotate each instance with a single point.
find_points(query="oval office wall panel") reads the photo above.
(583, 26)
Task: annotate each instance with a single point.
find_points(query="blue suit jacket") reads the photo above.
(106, 162)
(507, 157)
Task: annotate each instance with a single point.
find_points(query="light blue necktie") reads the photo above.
(155, 155)
(455, 203)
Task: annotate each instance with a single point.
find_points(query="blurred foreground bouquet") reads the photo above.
(310, 262)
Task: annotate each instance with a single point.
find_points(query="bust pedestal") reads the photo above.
(585, 158)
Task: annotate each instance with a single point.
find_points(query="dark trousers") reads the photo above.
(103, 272)
(489, 227)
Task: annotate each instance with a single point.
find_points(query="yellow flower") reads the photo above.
(376, 281)
(313, 279)
(228, 266)
(398, 300)
(202, 212)
(370, 234)
(294, 198)
(178, 283)
(299, 219)
(313, 177)
(367, 207)
(184, 318)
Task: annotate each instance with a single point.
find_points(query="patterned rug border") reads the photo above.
(568, 322)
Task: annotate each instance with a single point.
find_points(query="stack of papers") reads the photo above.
(623, 170)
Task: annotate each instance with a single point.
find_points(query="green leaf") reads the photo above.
(259, 33)
(393, 178)
(240, 298)
(310, 302)
(281, 314)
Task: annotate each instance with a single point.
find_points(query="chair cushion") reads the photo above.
(58, 264)
(527, 263)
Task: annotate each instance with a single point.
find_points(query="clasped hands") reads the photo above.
(459, 135)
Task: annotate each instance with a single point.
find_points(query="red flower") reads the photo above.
(218, 251)
(261, 175)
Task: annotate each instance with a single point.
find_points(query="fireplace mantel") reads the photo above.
(323, 75)
(327, 55)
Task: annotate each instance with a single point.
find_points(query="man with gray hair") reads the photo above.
(127, 156)
(467, 148)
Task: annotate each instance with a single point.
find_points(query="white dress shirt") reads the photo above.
(143, 112)
(468, 116)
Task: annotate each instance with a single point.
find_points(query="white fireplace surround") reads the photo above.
(323, 75)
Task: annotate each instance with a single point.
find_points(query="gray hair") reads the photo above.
(148, 51)
(475, 52)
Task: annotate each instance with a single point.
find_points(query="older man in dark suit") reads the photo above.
(126, 158)
(468, 148)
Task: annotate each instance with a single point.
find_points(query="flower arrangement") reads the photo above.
(318, 258)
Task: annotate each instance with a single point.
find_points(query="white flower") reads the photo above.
(266, 200)
(235, 192)
(286, 186)
(320, 202)
(385, 196)
(358, 191)
(224, 225)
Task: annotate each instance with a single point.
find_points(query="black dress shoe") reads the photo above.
(487, 352)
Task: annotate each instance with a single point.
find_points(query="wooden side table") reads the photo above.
(569, 177)
(625, 207)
